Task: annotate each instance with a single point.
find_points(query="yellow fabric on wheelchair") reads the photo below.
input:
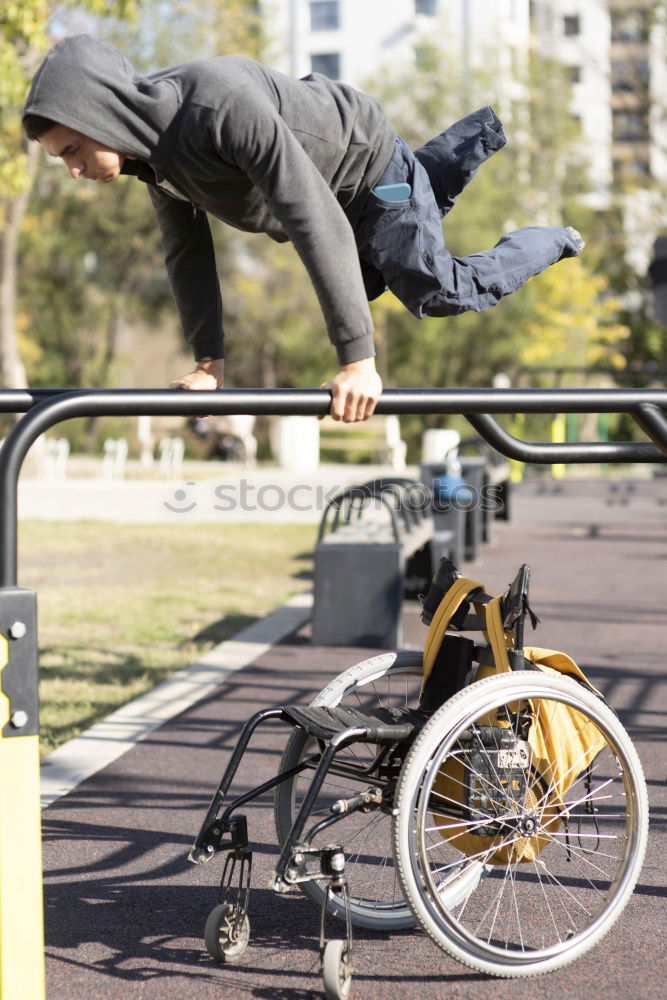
(563, 744)
(449, 605)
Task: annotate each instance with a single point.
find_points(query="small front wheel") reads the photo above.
(223, 942)
(336, 970)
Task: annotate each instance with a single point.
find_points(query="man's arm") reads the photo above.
(190, 262)
(252, 135)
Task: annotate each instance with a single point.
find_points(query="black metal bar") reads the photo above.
(651, 420)
(134, 402)
(338, 742)
(267, 786)
(49, 407)
(197, 852)
(21, 400)
(574, 453)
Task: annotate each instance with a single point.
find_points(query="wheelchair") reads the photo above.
(481, 790)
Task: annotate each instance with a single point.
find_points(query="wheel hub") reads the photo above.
(528, 824)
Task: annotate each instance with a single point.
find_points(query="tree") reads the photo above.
(533, 179)
(24, 40)
(91, 260)
(540, 177)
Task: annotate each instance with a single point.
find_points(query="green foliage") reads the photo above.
(530, 181)
(24, 40)
(91, 259)
(91, 263)
(540, 177)
(276, 333)
(166, 32)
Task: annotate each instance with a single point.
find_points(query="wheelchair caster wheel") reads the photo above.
(222, 943)
(336, 971)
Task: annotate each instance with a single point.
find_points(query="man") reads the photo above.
(312, 161)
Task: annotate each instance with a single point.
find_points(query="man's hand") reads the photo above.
(206, 375)
(355, 390)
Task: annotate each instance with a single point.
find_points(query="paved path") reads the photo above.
(125, 911)
(205, 493)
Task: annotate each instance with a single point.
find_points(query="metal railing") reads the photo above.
(46, 407)
(21, 936)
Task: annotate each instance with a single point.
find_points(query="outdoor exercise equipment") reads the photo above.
(21, 933)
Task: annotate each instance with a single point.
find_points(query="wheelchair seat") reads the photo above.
(385, 726)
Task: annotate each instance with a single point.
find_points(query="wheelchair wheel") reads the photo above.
(336, 971)
(376, 901)
(223, 942)
(556, 876)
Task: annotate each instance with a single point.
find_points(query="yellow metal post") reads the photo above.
(558, 436)
(21, 904)
(516, 426)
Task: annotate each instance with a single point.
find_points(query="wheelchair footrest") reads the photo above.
(384, 726)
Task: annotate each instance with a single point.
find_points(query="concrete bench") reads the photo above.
(374, 545)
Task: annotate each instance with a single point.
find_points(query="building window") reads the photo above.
(630, 126)
(327, 63)
(574, 73)
(631, 171)
(542, 17)
(630, 27)
(571, 25)
(428, 7)
(630, 74)
(324, 15)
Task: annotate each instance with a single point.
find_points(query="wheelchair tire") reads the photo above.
(222, 944)
(534, 910)
(336, 971)
(376, 901)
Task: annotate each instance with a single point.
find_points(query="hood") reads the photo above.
(89, 86)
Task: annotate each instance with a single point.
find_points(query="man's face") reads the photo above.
(82, 156)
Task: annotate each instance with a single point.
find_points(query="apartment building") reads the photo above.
(614, 50)
(616, 56)
(353, 39)
(638, 69)
(577, 33)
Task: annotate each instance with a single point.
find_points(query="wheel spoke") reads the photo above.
(544, 892)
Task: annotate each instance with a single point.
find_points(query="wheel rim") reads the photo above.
(531, 913)
(221, 942)
(233, 944)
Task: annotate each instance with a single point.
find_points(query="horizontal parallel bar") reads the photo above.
(44, 408)
(275, 402)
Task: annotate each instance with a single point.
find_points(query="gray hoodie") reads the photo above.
(228, 136)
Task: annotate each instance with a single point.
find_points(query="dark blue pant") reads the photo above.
(401, 244)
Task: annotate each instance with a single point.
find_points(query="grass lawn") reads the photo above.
(121, 607)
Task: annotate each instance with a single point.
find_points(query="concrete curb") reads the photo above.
(107, 740)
